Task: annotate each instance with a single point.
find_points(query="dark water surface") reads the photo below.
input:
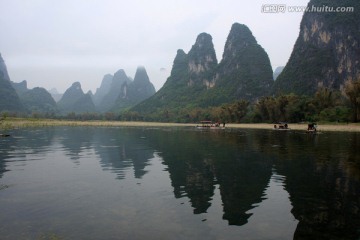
(178, 183)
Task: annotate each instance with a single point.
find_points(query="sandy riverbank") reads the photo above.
(19, 123)
(321, 127)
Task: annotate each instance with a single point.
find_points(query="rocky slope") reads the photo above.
(9, 100)
(326, 52)
(103, 90)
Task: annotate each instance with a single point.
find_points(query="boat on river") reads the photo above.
(210, 125)
(312, 128)
(281, 126)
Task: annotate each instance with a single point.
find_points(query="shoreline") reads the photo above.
(351, 127)
(20, 123)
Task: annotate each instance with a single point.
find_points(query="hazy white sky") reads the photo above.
(53, 43)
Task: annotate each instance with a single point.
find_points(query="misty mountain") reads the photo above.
(136, 91)
(103, 90)
(277, 72)
(20, 87)
(55, 94)
(3, 69)
(9, 100)
(75, 100)
(109, 99)
(36, 100)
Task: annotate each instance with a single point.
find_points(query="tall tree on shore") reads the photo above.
(352, 92)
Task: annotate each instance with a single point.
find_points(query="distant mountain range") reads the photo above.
(326, 54)
(116, 93)
(36, 100)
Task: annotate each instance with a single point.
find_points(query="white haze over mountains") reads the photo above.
(55, 43)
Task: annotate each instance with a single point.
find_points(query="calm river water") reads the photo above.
(178, 183)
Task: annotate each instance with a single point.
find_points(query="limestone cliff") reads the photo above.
(326, 52)
(202, 62)
(197, 80)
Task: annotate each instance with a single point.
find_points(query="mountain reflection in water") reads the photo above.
(265, 184)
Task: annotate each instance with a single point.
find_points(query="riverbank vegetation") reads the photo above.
(325, 105)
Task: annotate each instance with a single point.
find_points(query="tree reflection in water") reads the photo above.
(321, 173)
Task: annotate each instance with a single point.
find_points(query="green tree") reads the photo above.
(240, 109)
(324, 98)
(352, 92)
(261, 110)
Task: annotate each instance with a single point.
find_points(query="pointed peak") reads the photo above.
(140, 71)
(140, 68)
(203, 41)
(180, 54)
(76, 85)
(239, 38)
(120, 75)
(203, 37)
(242, 32)
(202, 56)
(108, 76)
(120, 71)
(240, 27)
(141, 75)
(180, 57)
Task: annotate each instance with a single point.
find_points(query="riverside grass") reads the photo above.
(11, 123)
